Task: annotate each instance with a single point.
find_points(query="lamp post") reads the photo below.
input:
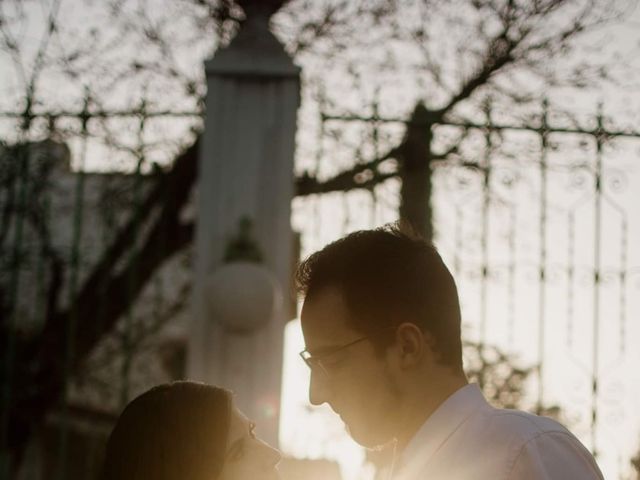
(242, 294)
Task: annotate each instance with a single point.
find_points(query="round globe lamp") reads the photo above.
(242, 296)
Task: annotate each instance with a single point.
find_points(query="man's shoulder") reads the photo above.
(539, 445)
(519, 426)
(524, 437)
(502, 444)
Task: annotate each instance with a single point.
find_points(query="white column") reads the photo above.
(246, 169)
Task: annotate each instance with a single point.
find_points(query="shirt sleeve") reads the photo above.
(554, 456)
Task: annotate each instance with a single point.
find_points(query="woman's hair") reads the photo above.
(172, 432)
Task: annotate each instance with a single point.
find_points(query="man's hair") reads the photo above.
(388, 276)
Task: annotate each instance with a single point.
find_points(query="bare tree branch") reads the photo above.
(499, 54)
(361, 176)
(43, 364)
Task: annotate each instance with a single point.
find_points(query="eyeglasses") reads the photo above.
(317, 362)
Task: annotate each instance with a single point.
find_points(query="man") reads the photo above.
(381, 323)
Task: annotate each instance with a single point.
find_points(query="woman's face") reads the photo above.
(247, 457)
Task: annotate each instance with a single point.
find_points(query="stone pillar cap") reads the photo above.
(254, 51)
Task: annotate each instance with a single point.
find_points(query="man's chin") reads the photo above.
(364, 439)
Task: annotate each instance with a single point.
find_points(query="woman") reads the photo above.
(186, 431)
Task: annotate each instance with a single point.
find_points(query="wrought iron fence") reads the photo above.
(522, 212)
(538, 221)
(60, 218)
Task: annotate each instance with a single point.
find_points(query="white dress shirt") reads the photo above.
(468, 439)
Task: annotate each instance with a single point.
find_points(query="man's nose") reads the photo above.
(318, 388)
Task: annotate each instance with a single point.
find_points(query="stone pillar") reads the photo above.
(246, 171)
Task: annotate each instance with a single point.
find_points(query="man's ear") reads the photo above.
(412, 344)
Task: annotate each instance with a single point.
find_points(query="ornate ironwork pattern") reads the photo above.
(535, 249)
(486, 171)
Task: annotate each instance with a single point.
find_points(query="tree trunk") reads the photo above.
(415, 174)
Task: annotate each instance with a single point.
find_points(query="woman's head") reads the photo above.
(184, 430)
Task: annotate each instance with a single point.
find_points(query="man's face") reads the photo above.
(358, 383)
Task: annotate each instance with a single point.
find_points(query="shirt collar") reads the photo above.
(440, 425)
